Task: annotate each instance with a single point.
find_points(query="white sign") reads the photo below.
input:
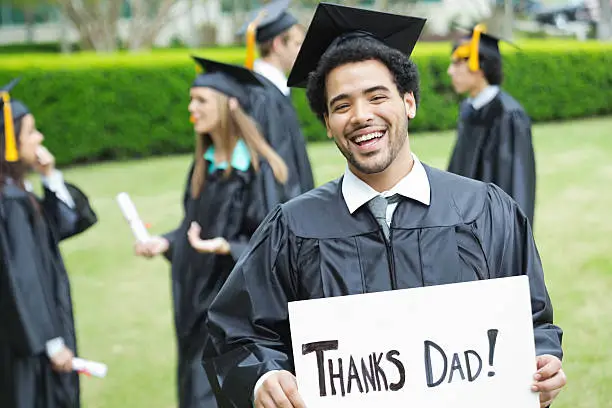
(459, 345)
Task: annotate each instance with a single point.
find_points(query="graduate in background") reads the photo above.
(224, 202)
(278, 37)
(390, 222)
(37, 333)
(494, 142)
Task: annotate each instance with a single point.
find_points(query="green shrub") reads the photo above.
(47, 47)
(93, 107)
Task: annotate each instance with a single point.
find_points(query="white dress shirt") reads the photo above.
(415, 186)
(275, 75)
(484, 97)
(356, 192)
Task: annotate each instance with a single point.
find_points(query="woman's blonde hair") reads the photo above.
(235, 124)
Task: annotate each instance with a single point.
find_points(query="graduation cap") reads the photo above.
(230, 80)
(270, 20)
(478, 42)
(333, 24)
(11, 111)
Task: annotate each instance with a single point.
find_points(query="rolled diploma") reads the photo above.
(91, 367)
(131, 215)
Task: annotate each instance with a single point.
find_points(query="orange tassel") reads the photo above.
(250, 40)
(250, 45)
(10, 147)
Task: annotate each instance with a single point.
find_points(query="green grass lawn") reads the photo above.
(123, 307)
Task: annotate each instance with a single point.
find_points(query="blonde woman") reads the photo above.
(232, 183)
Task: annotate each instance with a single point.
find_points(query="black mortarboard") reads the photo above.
(274, 20)
(478, 41)
(230, 80)
(332, 23)
(11, 111)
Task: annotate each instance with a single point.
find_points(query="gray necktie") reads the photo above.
(378, 207)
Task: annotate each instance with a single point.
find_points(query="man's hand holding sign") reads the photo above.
(429, 352)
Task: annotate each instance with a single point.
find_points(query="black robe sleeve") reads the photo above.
(171, 235)
(514, 169)
(248, 320)
(265, 193)
(65, 221)
(507, 235)
(279, 123)
(302, 159)
(289, 132)
(26, 323)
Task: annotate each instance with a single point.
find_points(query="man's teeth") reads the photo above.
(369, 136)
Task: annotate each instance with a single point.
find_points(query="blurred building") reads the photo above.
(208, 22)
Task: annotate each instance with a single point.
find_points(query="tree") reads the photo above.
(148, 18)
(28, 7)
(97, 21)
(501, 20)
(509, 19)
(604, 27)
(381, 5)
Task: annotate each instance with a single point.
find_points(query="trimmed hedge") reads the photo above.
(118, 106)
(48, 47)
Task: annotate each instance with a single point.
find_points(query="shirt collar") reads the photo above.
(484, 97)
(275, 75)
(241, 158)
(26, 184)
(415, 186)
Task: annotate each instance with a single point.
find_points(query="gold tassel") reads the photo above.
(10, 146)
(462, 52)
(250, 45)
(250, 40)
(473, 62)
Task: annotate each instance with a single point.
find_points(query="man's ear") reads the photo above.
(410, 104)
(326, 118)
(277, 42)
(481, 75)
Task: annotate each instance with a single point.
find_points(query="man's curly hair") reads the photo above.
(404, 71)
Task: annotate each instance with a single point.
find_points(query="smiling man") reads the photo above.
(390, 222)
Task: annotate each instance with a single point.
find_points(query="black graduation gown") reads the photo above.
(281, 127)
(231, 208)
(312, 247)
(494, 145)
(35, 300)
